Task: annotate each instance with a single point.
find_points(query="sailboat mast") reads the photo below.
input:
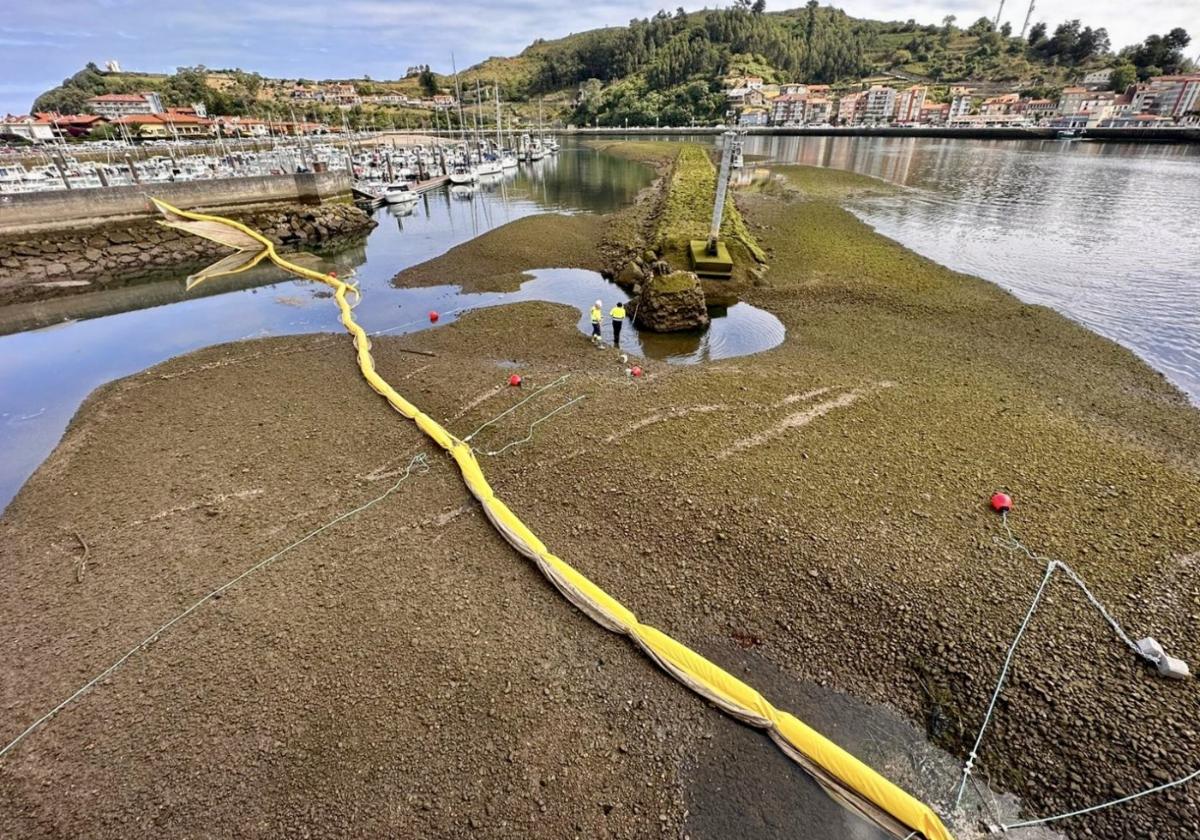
(499, 139)
(462, 123)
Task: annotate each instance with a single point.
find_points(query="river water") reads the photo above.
(94, 338)
(1106, 233)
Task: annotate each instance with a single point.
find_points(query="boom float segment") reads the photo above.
(850, 780)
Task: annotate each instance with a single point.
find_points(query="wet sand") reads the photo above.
(407, 674)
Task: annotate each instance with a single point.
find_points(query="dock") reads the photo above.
(430, 184)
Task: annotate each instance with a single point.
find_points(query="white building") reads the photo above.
(880, 104)
(960, 102)
(34, 129)
(115, 105)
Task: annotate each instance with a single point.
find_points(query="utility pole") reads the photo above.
(1028, 17)
(1000, 11)
(714, 229)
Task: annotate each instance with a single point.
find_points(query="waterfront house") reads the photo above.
(115, 105)
(1004, 104)
(789, 109)
(934, 114)
(1037, 109)
(961, 102)
(72, 125)
(1168, 96)
(753, 117)
(174, 124)
(849, 107)
(819, 111)
(27, 127)
(908, 104)
(880, 104)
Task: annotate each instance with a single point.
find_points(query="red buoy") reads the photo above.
(433, 317)
(514, 381)
(636, 371)
(1001, 502)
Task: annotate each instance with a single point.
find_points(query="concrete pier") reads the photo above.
(56, 209)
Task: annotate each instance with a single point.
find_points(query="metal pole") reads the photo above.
(714, 229)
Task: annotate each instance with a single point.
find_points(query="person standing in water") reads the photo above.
(597, 319)
(618, 318)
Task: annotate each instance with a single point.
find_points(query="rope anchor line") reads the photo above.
(1147, 650)
(419, 465)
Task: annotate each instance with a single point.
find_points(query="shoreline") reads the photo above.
(870, 533)
(1182, 134)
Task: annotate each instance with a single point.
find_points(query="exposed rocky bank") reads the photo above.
(40, 265)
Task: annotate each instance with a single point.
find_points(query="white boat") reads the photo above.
(461, 174)
(508, 161)
(489, 167)
(399, 194)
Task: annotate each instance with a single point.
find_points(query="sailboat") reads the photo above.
(507, 159)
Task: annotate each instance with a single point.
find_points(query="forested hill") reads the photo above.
(670, 68)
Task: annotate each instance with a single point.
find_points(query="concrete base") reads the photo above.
(705, 264)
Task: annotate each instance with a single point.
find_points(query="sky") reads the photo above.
(43, 42)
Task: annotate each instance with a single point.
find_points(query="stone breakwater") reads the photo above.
(40, 265)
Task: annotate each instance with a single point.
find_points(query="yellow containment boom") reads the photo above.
(848, 779)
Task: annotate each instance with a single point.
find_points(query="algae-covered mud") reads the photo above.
(821, 506)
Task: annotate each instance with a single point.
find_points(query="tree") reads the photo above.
(947, 28)
(1092, 42)
(1123, 75)
(1037, 34)
(428, 82)
(1163, 53)
(1006, 29)
(759, 7)
(980, 27)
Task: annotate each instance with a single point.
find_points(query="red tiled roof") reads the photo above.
(165, 119)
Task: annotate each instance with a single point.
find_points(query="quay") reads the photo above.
(50, 209)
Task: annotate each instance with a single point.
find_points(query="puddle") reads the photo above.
(100, 336)
(737, 330)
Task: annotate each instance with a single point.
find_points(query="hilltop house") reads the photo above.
(115, 105)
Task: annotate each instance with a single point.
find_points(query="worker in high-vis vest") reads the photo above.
(597, 319)
(618, 318)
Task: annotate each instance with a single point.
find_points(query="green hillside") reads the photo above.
(669, 69)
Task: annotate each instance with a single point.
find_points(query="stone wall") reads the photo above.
(47, 264)
(55, 209)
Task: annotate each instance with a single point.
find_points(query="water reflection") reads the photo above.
(1106, 233)
(101, 336)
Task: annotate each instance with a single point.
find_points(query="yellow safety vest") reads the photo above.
(618, 313)
(597, 315)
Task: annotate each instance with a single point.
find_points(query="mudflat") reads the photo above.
(822, 505)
